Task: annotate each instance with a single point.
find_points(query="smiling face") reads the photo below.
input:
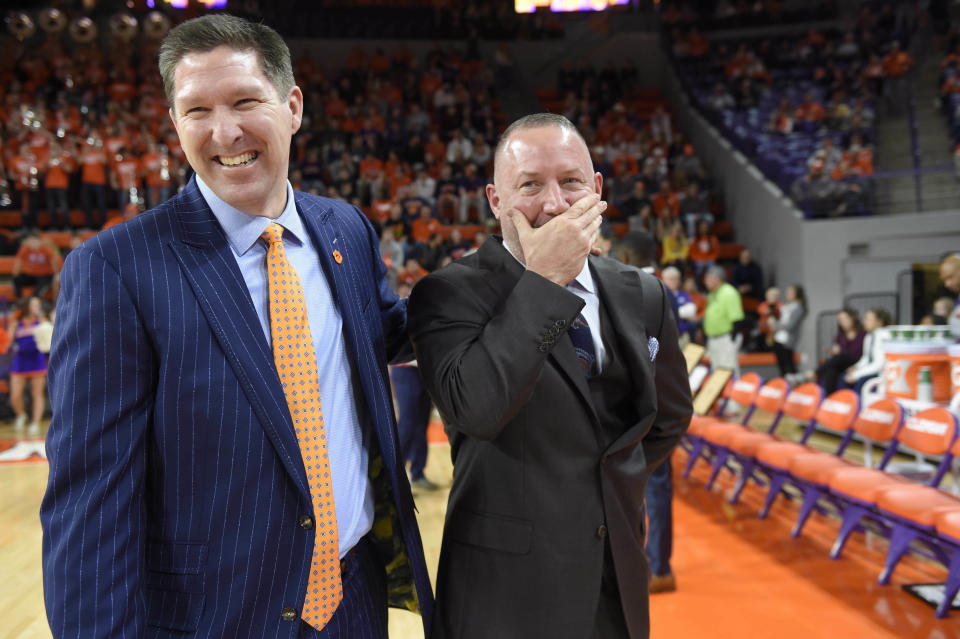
(234, 128)
(540, 173)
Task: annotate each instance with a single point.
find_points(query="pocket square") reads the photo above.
(653, 345)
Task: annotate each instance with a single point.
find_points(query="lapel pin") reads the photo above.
(337, 257)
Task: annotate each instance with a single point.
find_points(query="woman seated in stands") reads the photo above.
(704, 249)
(846, 350)
(870, 363)
(786, 329)
(675, 247)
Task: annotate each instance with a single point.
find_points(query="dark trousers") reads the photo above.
(659, 500)
(58, 207)
(831, 371)
(784, 356)
(413, 405)
(362, 613)
(40, 284)
(29, 202)
(610, 622)
(90, 193)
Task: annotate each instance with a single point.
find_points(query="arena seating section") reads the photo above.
(752, 88)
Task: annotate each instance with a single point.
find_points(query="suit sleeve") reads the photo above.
(480, 365)
(674, 407)
(101, 376)
(393, 309)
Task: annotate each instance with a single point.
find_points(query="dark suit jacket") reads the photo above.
(533, 494)
(176, 481)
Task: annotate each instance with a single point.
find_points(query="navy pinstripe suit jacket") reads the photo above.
(176, 482)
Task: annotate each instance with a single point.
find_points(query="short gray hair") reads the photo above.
(670, 270)
(535, 121)
(718, 272)
(208, 32)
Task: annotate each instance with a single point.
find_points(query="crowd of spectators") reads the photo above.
(408, 139)
(804, 106)
(652, 176)
(949, 82)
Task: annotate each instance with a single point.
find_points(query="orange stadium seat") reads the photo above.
(931, 432)
(837, 412)
(878, 423)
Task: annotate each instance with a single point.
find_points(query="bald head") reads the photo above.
(535, 121)
(950, 272)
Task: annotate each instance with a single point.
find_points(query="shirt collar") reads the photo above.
(242, 229)
(583, 280)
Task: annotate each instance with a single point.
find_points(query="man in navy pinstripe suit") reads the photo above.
(178, 503)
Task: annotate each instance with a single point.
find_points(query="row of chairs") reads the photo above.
(911, 514)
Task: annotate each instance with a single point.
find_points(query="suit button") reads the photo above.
(306, 522)
(602, 531)
(288, 614)
(543, 348)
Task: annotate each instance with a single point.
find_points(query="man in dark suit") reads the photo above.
(562, 387)
(223, 451)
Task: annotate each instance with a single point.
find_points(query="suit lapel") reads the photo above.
(208, 264)
(495, 257)
(622, 296)
(329, 241)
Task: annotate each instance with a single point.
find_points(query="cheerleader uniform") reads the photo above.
(28, 361)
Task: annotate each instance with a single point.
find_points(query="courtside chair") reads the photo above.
(948, 529)
(743, 391)
(800, 405)
(878, 423)
(930, 433)
(913, 509)
(836, 412)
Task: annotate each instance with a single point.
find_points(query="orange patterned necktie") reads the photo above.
(296, 362)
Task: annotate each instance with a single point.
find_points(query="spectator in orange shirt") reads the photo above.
(666, 203)
(896, 64)
(704, 249)
(411, 273)
(60, 164)
(782, 119)
(37, 264)
(697, 44)
(436, 147)
(379, 62)
(125, 177)
(93, 177)
(380, 208)
(425, 225)
(26, 175)
(810, 110)
(769, 309)
(157, 169)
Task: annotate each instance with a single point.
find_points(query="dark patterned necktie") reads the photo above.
(582, 339)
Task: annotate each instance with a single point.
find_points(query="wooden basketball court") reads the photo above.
(738, 576)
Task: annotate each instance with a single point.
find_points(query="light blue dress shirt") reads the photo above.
(352, 491)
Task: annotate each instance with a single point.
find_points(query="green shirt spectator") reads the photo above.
(723, 310)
